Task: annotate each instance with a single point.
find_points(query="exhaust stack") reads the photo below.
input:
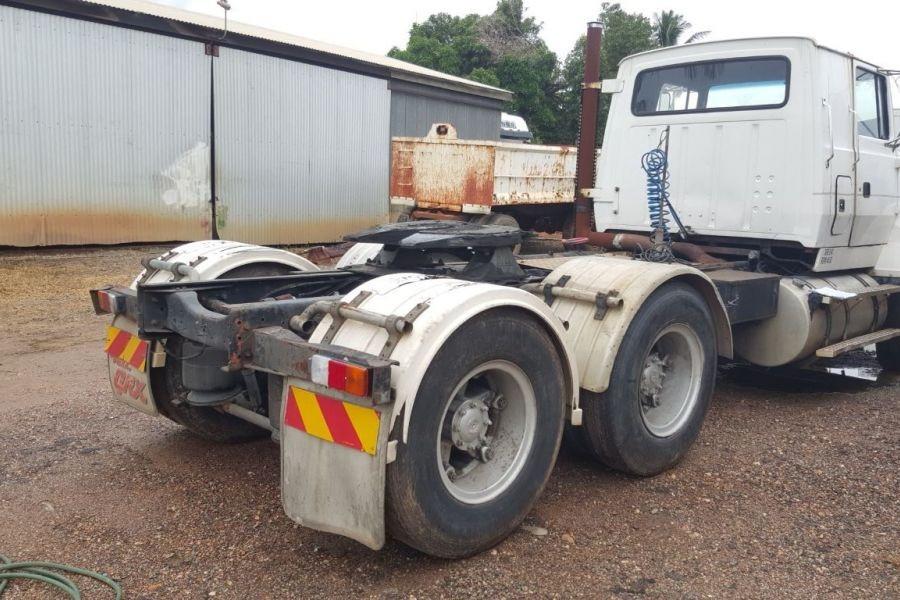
(587, 136)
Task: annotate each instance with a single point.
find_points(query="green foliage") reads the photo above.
(624, 34)
(669, 26)
(445, 43)
(504, 49)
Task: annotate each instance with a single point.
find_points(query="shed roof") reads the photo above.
(141, 14)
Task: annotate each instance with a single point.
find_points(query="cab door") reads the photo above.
(876, 191)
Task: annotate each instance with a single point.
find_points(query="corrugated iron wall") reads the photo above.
(302, 152)
(412, 115)
(102, 131)
(105, 137)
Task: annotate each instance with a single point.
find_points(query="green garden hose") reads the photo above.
(45, 573)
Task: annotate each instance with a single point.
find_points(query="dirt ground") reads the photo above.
(792, 491)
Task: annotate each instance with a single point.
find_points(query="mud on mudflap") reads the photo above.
(333, 459)
(129, 361)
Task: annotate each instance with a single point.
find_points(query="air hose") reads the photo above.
(655, 165)
(45, 572)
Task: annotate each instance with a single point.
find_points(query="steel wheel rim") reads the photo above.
(510, 435)
(670, 380)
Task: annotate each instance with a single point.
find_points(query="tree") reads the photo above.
(668, 27)
(624, 34)
(502, 49)
(445, 43)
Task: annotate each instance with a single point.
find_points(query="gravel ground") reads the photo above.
(792, 490)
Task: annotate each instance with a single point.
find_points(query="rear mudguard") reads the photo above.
(448, 304)
(596, 342)
(129, 360)
(334, 488)
(213, 258)
(210, 259)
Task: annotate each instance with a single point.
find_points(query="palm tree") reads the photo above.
(668, 27)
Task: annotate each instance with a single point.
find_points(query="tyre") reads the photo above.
(206, 422)
(660, 387)
(484, 433)
(170, 394)
(503, 220)
(889, 352)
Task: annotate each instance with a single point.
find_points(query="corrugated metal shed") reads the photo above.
(299, 154)
(131, 13)
(93, 123)
(107, 135)
(414, 111)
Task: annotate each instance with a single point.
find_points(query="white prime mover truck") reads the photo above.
(422, 388)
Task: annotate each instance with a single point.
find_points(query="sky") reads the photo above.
(869, 29)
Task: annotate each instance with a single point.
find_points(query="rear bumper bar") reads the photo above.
(254, 334)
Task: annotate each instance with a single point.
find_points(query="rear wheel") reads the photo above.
(483, 437)
(889, 352)
(660, 387)
(502, 220)
(171, 395)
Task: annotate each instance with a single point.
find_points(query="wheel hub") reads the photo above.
(652, 379)
(470, 424)
(487, 431)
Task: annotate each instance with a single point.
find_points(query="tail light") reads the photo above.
(107, 302)
(339, 375)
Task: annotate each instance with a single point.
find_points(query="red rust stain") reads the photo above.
(62, 228)
(89, 227)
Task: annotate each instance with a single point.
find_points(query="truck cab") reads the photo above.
(773, 143)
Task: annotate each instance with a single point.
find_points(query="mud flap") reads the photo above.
(129, 362)
(333, 457)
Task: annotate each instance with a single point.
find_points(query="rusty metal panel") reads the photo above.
(103, 133)
(301, 151)
(445, 174)
(456, 175)
(527, 174)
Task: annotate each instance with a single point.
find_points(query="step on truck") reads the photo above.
(423, 386)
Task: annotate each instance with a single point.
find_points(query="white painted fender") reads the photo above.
(212, 258)
(451, 303)
(596, 342)
(358, 254)
(218, 257)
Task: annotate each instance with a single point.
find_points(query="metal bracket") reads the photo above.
(604, 302)
(594, 85)
(337, 320)
(394, 334)
(548, 288)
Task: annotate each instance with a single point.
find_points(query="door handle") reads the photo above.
(866, 189)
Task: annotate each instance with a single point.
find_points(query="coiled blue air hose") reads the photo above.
(656, 165)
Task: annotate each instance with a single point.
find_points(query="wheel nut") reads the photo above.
(500, 402)
(451, 474)
(487, 453)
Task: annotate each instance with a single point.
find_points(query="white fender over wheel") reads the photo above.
(450, 303)
(595, 341)
(358, 254)
(156, 387)
(483, 381)
(211, 259)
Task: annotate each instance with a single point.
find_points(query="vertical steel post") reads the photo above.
(587, 137)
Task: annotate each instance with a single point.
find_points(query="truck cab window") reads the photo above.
(735, 84)
(871, 104)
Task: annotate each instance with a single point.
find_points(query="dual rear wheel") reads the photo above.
(486, 424)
